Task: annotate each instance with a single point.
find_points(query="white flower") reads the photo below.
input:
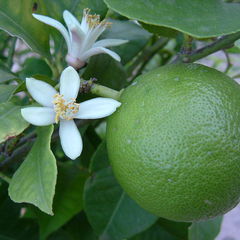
(62, 107)
(81, 38)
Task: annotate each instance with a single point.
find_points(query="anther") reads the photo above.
(64, 109)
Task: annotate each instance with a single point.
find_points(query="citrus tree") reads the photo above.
(109, 129)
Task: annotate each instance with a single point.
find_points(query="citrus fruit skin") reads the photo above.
(174, 144)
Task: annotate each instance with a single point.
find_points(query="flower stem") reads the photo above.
(103, 91)
(54, 69)
(11, 52)
(5, 178)
(229, 63)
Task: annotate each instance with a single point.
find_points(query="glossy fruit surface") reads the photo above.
(174, 144)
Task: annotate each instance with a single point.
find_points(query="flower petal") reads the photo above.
(76, 43)
(91, 37)
(69, 83)
(97, 108)
(109, 42)
(76, 34)
(42, 92)
(94, 33)
(73, 23)
(99, 50)
(54, 23)
(39, 116)
(70, 137)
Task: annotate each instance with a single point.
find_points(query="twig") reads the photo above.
(221, 43)
(187, 45)
(229, 64)
(27, 137)
(144, 57)
(5, 178)
(236, 76)
(15, 156)
(186, 48)
(22, 150)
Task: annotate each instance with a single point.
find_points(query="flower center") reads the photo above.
(93, 20)
(64, 109)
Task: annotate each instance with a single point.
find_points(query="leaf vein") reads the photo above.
(4, 15)
(114, 213)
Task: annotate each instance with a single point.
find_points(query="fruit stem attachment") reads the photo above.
(97, 89)
(103, 91)
(221, 43)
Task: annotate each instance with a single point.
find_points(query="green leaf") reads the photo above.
(33, 66)
(61, 235)
(177, 229)
(156, 232)
(108, 72)
(4, 40)
(166, 230)
(99, 159)
(161, 31)
(68, 200)
(6, 74)
(91, 141)
(6, 92)
(78, 229)
(206, 230)
(186, 16)
(11, 121)
(96, 6)
(108, 208)
(16, 19)
(237, 43)
(34, 182)
(101, 129)
(12, 225)
(55, 8)
(137, 37)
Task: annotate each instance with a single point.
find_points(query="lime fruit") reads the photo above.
(174, 144)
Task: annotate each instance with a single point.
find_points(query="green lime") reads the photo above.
(174, 144)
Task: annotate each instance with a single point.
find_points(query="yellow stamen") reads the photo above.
(63, 109)
(94, 20)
